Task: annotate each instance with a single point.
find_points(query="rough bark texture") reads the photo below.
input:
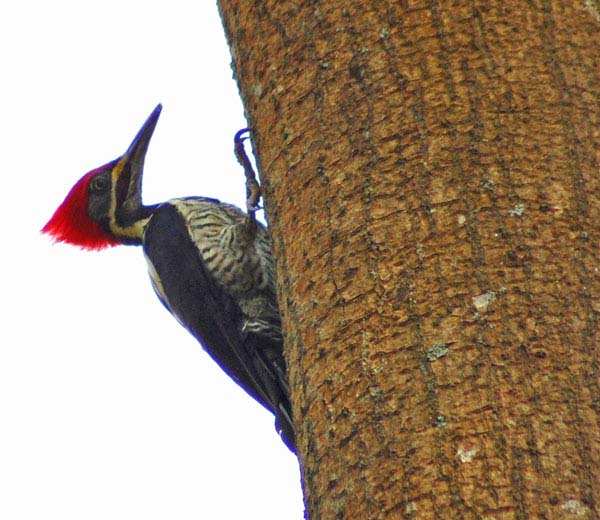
(432, 181)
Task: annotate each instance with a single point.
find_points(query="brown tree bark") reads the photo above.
(432, 183)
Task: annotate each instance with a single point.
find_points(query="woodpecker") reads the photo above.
(210, 265)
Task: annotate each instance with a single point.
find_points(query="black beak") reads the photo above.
(131, 166)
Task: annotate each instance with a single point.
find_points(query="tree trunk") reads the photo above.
(432, 182)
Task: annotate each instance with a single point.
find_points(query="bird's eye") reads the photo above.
(99, 184)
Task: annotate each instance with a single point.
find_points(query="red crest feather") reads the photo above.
(71, 222)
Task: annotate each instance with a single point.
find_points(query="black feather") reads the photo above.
(214, 318)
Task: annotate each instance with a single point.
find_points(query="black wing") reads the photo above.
(188, 291)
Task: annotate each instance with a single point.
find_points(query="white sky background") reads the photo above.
(108, 408)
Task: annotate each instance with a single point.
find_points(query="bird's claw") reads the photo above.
(239, 135)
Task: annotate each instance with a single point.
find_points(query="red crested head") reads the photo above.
(72, 223)
(105, 208)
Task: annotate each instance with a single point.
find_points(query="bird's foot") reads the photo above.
(253, 191)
